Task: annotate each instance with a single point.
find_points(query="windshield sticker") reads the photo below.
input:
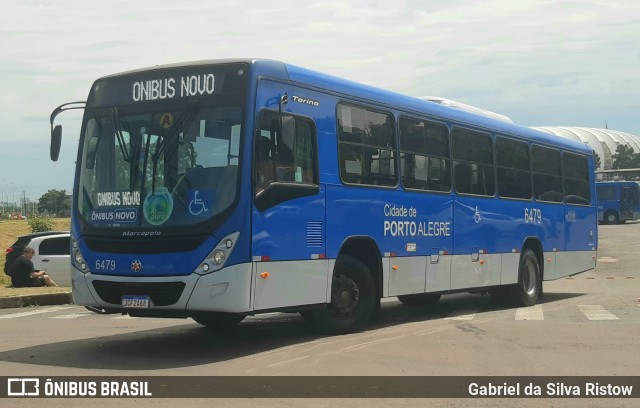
(158, 207)
(200, 202)
(114, 216)
(115, 198)
(166, 120)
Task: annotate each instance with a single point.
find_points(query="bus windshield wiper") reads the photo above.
(126, 156)
(130, 154)
(179, 125)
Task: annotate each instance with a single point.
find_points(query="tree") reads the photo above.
(54, 202)
(596, 160)
(625, 158)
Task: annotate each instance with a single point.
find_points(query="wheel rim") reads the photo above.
(529, 279)
(611, 218)
(345, 296)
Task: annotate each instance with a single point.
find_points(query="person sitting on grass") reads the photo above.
(24, 275)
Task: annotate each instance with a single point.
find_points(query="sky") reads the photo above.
(542, 63)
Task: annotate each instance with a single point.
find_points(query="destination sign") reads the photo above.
(166, 84)
(165, 88)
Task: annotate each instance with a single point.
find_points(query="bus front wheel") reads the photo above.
(218, 320)
(353, 298)
(529, 287)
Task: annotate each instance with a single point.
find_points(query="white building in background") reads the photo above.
(603, 141)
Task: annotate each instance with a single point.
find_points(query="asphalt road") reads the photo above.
(588, 325)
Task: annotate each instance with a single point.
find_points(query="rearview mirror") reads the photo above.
(56, 141)
(56, 132)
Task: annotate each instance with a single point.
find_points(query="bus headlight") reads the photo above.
(218, 257)
(77, 259)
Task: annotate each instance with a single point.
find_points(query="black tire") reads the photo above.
(218, 320)
(529, 287)
(420, 299)
(353, 298)
(611, 217)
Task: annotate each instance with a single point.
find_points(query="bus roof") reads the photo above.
(377, 96)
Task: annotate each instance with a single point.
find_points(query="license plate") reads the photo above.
(136, 302)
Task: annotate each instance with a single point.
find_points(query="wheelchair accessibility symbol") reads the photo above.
(197, 204)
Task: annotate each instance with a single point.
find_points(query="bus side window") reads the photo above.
(424, 153)
(512, 162)
(287, 158)
(547, 178)
(473, 158)
(575, 177)
(628, 196)
(366, 146)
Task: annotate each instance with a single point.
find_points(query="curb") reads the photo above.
(44, 299)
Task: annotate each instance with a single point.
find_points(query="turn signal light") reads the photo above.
(264, 275)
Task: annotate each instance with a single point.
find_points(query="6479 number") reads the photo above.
(532, 215)
(105, 265)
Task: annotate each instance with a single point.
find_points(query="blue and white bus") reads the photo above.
(618, 201)
(220, 189)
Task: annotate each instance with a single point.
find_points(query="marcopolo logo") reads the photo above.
(158, 206)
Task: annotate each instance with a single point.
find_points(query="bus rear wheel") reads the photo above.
(353, 298)
(218, 320)
(420, 299)
(529, 287)
(611, 218)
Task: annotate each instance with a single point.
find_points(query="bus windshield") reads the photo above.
(163, 165)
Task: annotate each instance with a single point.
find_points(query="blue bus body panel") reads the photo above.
(359, 210)
(500, 226)
(363, 212)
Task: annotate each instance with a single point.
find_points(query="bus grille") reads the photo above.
(314, 234)
(144, 246)
(161, 293)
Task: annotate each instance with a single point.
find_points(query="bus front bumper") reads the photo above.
(226, 290)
